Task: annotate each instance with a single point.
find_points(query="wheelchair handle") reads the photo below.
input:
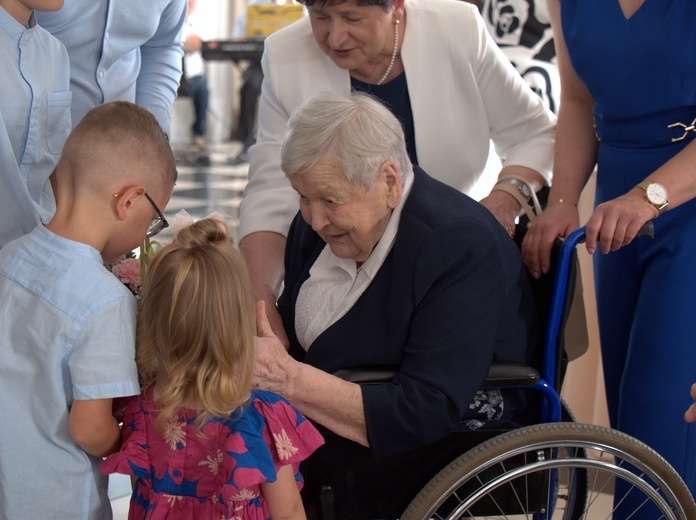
(647, 230)
(577, 236)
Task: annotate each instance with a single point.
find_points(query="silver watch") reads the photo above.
(520, 185)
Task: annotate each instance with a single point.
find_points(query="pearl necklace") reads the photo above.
(393, 56)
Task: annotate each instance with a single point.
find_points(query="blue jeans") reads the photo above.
(197, 89)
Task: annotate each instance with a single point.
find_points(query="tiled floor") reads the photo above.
(208, 181)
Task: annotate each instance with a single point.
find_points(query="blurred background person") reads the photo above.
(193, 82)
(249, 92)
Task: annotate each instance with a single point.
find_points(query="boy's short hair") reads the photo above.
(117, 140)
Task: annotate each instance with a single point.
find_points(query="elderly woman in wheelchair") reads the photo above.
(387, 268)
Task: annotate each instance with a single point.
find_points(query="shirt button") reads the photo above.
(106, 35)
(101, 74)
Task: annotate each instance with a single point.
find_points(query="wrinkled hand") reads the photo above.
(504, 208)
(616, 223)
(690, 415)
(274, 368)
(557, 220)
(276, 323)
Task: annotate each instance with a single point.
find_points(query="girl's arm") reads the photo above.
(94, 428)
(283, 496)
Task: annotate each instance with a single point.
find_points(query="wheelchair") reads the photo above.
(553, 469)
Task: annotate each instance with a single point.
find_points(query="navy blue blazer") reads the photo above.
(451, 297)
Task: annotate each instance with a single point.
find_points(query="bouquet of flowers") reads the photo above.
(130, 268)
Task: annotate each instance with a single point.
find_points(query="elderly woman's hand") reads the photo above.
(558, 220)
(274, 368)
(504, 208)
(335, 403)
(690, 415)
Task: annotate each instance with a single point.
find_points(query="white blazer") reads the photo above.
(464, 92)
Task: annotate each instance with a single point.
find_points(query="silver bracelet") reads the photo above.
(522, 186)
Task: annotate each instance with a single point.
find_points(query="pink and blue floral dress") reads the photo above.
(214, 472)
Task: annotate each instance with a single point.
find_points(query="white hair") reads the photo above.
(356, 132)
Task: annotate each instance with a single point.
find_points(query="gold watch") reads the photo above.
(655, 194)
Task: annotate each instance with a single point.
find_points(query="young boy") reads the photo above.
(67, 325)
(34, 115)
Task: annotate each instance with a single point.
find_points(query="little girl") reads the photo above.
(198, 441)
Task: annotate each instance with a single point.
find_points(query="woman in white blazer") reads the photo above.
(434, 64)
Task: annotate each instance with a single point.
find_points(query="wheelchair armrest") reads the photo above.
(367, 374)
(511, 374)
(500, 375)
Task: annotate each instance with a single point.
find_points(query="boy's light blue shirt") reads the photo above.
(34, 123)
(67, 331)
(126, 50)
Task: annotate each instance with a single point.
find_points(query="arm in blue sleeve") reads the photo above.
(160, 70)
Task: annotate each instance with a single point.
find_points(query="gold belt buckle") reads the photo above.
(687, 129)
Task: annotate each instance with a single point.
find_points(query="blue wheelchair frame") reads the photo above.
(546, 380)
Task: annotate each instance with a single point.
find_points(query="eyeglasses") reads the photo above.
(158, 223)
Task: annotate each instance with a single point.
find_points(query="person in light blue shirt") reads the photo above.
(34, 118)
(67, 325)
(121, 50)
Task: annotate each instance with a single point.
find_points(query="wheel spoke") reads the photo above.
(576, 465)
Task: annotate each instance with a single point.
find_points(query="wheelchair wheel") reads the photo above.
(557, 471)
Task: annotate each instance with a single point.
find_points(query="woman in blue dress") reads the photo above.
(628, 105)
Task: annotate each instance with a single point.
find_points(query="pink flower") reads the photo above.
(127, 271)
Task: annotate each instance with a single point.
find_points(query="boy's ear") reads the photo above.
(126, 198)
